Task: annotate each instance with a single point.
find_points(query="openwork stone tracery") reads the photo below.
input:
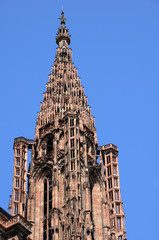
(70, 194)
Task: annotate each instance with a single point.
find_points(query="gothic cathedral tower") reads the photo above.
(71, 195)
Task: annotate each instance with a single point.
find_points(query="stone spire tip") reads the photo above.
(62, 18)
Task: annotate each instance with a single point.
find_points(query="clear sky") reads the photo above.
(116, 50)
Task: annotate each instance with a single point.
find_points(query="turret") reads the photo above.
(63, 38)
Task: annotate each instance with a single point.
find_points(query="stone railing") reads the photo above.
(107, 146)
(16, 219)
(22, 139)
(3, 223)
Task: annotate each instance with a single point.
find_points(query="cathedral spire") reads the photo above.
(63, 38)
(70, 195)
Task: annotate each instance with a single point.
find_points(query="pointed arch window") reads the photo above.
(18, 152)
(17, 182)
(49, 145)
(15, 209)
(47, 232)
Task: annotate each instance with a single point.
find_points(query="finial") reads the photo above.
(62, 18)
(10, 204)
(63, 34)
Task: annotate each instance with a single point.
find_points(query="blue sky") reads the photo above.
(116, 50)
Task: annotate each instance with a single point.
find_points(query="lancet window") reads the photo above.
(118, 208)
(18, 152)
(108, 159)
(49, 145)
(47, 232)
(119, 224)
(18, 162)
(17, 182)
(15, 209)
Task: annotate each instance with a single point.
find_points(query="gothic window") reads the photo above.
(22, 185)
(23, 174)
(72, 143)
(110, 183)
(115, 182)
(111, 195)
(50, 230)
(65, 89)
(18, 152)
(17, 182)
(23, 153)
(49, 145)
(16, 195)
(116, 195)
(115, 170)
(71, 122)
(71, 132)
(72, 153)
(17, 171)
(118, 208)
(15, 209)
(23, 163)
(109, 170)
(119, 224)
(108, 159)
(114, 158)
(47, 208)
(18, 161)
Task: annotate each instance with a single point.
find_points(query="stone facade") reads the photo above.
(71, 194)
(13, 227)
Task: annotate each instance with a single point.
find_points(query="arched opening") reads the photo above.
(49, 145)
(47, 230)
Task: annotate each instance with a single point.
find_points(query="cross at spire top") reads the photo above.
(62, 18)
